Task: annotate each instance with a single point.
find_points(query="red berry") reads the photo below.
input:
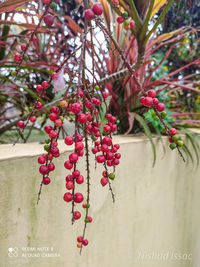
(78, 198)
(88, 14)
(82, 118)
(46, 180)
(160, 107)
(76, 173)
(77, 215)
(85, 242)
(155, 101)
(107, 140)
(80, 179)
(41, 160)
(109, 163)
(106, 128)
(33, 119)
(173, 131)
(142, 98)
(67, 197)
(20, 124)
(48, 129)
(52, 116)
(80, 93)
(113, 119)
(55, 109)
(76, 108)
(53, 134)
(68, 165)
(39, 88)
(38, 105)
(132, 24)
(79, 146)
(54, 76)
(113, 149)
(79, 138)
(97, 9)
(115, 161)
(120, 20)
(49, 20)
(73, 157)
(80, 153)
(94, 150)
(90, 219)
(148, 101)
(117, 146)
(69, 177)
(96, 101)
(151, 93)
(113, 127)
(69, 185)
(117, 155)
(45, 84)
(18, 57)
(68, 140)
(104, 181)
(43, 169)
(51, 167)
(79, 239)
(108, 116)
(58, 123)
(105, 94)
(100, 158)
(171, 140)
(104, 148)
(23, 47)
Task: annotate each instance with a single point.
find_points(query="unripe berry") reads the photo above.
(180, 143)
(97, 9)
(172, 146)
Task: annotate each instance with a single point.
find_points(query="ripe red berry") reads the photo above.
(49, 20)
(120, 20)
(45, 84)
(82, 118)
(142, 98)
(117, 155)
(79, 146)
(38, 105)
(173, 131)
(69, 185)
(107, 140)
(113, 119)
(89, 219)
(68, 140)
(100, 158)
(54, 76)
(96, 101)
(106, 128)
(46, 180)
(41, 160)
(94, 150)
(58, 123)
(117, 146)
(109, 163)
(23, 47)
(51, 167)
(148, 101)
(48, 129)
(113, 149)
(52, 116)
(78, 198)
(33, 119)
(80, 153)
(104, 181)
(104, 148)
(80, 179)
(76, 173)
(155, 101)
(55, 109)
(105, 94)
(113, 127)
(20, 124)
(43, 169)
(76, 108)
(97, 9)
(115, 161)
(151, 93)
(53, 134)
(67, 197)
(69, 177)
(132, 24)
(77, 215)
(160, 107)
(18, 57)
(73, 157)
(85, 242)
(39, 88)
(79, 239)
(68, 165)
(88, 14)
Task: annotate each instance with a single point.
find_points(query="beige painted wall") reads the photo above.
(156, 213)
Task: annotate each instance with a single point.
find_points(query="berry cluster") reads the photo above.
(96, 9)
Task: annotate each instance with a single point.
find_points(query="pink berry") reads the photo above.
(97, 9)
(85, 242)
(78, 198)
(151, 93)
(49, 20)
(53, 134)
(68, 165)
(33, 119)
(67, 197)
(80, 179)
(73, 157)
(173, 131)
(82, 118)
(20, 124)
(68, 140)
(41, 160)
(46, 180)
(58, 123)
(120, 20)
(45, 84)
(52, 116)
(100, 158)
(18, 57)
(88, 14)
(48, 129)
(77, 215)
(43, 169)
(104, 181)
(69, 185)
(160, 107)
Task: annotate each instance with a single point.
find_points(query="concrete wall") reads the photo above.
(155, 221)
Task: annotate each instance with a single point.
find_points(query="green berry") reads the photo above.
(46, 147)
(87, 206)
(175, 137)
(125, 14)
(97, 88)
(172, 146)
(112, 176)
(47, 141)
(26, 57)
(180, 143)
(53, 6)
(13, 73)
(86, 220)
(93, 137)
(126, 23)
(164, 114)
